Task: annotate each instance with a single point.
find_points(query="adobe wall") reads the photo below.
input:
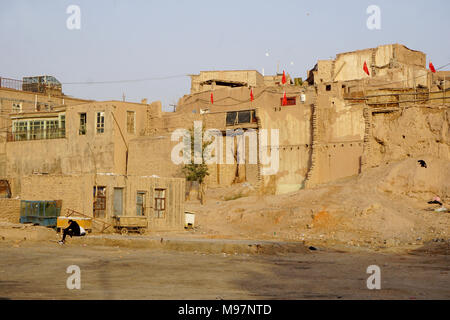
(250, 77)
(152, 156)
(76, 193)
(339, 138)
(10, 210)
(293, 123)
(413, 132)
(175, 193)
(28, 99)
(79, 154)
(388, 63)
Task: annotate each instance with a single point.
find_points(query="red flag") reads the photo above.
(283, 79)
(432, 68)
(212, 98)
(251, 95)
(366, 70)
(284, 99)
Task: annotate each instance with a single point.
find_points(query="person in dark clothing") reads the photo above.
(72, 230)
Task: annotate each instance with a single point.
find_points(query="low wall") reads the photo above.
(10, 210)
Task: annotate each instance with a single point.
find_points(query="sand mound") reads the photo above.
(384, 206)
(410, 179)
(22, 232)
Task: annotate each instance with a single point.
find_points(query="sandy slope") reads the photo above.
(385, 206)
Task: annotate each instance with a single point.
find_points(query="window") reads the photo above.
(20, 130)
(100, 122)
(328, 87)
(290, 101)
(62, 122)
(17, 107)
(131, 117)
(37, 130)
(140, 203)
(160, 203)
(82, 130)
(99, 202)
(238, 117)
(52, 129)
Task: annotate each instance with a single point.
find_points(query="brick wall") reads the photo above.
(10, 210)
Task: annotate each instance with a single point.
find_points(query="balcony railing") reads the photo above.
(44, 134)
(11, 83)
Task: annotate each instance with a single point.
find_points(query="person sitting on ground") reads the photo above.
(73, 230)
(436, 200)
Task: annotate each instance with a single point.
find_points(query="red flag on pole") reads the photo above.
(212, 98)
(251, 95)
(432, 68)
(283, 79)
(366, 70)
(284, 99)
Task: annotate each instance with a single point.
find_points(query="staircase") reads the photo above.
(259, 183)
(315, 144)
(367, 114)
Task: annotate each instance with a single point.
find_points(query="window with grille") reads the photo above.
(83, 119)
(240, 117)
(160, 203)
(131, 116)
(52, 129)
(62, 121)
(140, 203)
(290, 101)
(37, 129)
(20, 129)
(17, 107)
(100, 122)
(99, 202)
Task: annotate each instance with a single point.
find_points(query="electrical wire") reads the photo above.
(124, 81)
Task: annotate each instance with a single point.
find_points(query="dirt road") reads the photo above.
(38, 271)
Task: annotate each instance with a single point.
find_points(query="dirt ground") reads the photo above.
(37, 270)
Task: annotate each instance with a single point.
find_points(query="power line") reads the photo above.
(124, 81)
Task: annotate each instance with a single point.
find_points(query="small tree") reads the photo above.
(197, 172)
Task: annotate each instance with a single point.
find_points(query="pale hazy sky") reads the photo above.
(121, 40)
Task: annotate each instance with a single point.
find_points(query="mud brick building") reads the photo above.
(337, 123)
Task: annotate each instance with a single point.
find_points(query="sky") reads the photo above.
(164, 41)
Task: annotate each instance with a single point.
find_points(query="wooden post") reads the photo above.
(443, 93)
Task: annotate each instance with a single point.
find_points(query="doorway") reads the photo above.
(118, 201)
